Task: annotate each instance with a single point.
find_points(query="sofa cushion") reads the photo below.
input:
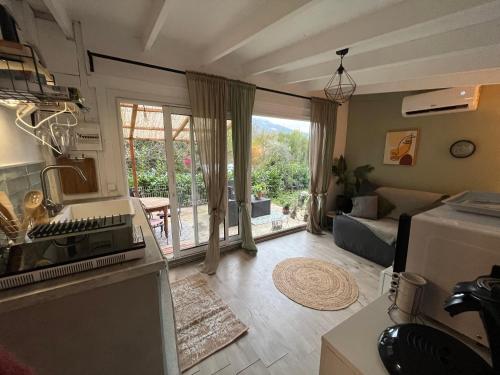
(407, 200)
(368, 188)
(365, 207)
(385, 206)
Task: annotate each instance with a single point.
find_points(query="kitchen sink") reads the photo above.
(96, 209)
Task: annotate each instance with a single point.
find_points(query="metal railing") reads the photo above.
(184, 195)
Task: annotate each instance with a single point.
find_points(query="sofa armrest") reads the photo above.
(353, 236)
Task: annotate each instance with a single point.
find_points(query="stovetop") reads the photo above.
(71, 241)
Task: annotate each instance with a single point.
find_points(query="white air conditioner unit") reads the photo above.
(456, 99)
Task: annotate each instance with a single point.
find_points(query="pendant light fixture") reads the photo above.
(341, 86)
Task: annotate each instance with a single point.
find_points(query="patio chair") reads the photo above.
(132, 193)
(178, 216)
(156, 222)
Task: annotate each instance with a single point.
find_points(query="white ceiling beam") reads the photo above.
(236, 37)
(157, 20)
(479, 35)
(471, 60)
(387, 24)
(473, 78)
(61, 16)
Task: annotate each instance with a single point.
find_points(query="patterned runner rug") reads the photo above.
(205, 324)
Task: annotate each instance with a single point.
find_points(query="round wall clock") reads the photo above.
(462, 148)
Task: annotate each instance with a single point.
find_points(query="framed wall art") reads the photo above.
(401, 147)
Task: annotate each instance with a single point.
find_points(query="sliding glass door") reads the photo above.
(171, 177)
(189, 196)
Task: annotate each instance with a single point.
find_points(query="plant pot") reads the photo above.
(286, 210)
(343, 203)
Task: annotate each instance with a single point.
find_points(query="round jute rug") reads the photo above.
(315, 283)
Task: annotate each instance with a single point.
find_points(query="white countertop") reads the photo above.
(356, 339)
(153, 261)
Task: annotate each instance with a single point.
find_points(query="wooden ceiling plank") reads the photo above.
(158, 18)
(375, 30)
(61, 16)
(252, 27)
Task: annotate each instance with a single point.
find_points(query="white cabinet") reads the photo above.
(112, 320)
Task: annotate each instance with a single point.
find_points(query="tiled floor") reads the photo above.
(284, 338)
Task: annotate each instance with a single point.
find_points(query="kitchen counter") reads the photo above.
(351, 348)
(117, 319)
(153, 261)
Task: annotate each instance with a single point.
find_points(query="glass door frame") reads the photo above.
(168, 111)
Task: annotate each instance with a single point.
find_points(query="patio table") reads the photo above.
(157, 204)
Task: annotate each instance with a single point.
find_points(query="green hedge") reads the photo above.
(281, 171)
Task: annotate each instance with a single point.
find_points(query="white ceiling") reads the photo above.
(290, 44)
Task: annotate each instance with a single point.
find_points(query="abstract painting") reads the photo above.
(401, 147)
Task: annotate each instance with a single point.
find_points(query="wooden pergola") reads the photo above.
(143, 122)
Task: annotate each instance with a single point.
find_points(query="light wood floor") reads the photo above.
(284, 337)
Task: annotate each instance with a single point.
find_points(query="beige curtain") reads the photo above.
(322, 136)
(241, 100)
(208, 96)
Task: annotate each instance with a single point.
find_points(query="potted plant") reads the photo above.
(286, 209)
(259, 190)
(303, 198)
(349, 180)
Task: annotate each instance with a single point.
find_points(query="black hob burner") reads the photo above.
(416, 349)
(66, 247)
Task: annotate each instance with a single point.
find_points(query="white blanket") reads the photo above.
(386, 229)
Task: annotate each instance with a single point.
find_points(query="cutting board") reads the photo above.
(9, 223)
(71, 182)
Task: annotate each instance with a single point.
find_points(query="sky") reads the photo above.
(302, 126)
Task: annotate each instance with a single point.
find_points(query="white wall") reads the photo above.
(16, 147)
(113, 81)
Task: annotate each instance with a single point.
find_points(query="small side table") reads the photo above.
(330, 215)
(261, 207)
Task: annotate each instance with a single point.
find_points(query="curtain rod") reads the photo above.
(91, 56)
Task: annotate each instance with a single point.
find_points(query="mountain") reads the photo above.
(260, 125)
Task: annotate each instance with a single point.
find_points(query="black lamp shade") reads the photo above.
(341, 86)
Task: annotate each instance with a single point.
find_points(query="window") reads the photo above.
(280, 174)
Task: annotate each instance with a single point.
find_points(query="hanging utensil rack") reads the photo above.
(24, 79)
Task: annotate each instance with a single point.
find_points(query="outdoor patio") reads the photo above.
(261, 226)
(279, 171)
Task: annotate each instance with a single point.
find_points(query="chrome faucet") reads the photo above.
(52, 207)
